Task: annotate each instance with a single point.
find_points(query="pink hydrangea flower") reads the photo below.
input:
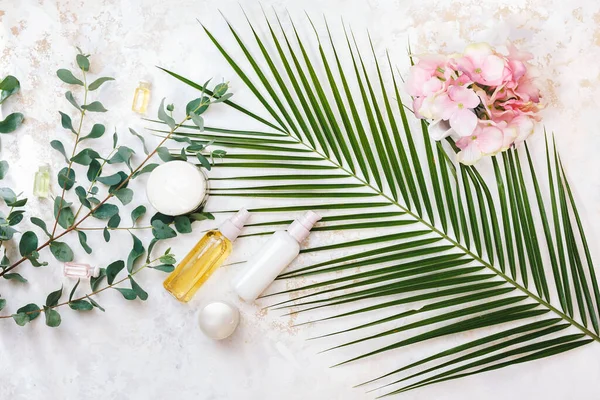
(486, 100)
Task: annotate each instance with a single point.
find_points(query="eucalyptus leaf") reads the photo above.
(28, 243)
(164, 268)
(136, 252)
(15, 276)
(141, 293)
(54, 297)
(53, 319)
(3, 169)
(125, 195)
(71, 99)
(98, 82)
(66, 122)
(106, 234)
(161, 231)
(95, 281)
(197, 120)
(96, 132)
(204, 161)
(57, 145)
(67, 77)
(94, 106)
(41, 224)
(105, 211)
(163, 116)
(61, 251)
(82, 196)
(114, 221)
(94, 170)
(137, 213)
(66, 178)
(74, 289)
(113, 179)
(80, 305)
(26, 314)
(95, 304)
(201, 216)
(83, 241)
(128, 294)
(11, 122)
(183, 224)
(8, 195)
(113, 270)
(134, 133)
(83, 62)
(2, 304)
(9, 83)
(145, 169)
(85, 156)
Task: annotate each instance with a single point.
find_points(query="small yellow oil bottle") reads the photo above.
(41, 182)
(210, 252)
(141, 98)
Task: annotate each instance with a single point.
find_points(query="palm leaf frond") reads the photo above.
(452, 255)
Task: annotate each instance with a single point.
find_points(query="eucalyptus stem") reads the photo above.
(93, 182)
(70, 165)
(101, 228)
(114, 284)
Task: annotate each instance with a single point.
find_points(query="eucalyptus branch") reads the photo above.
(70, 164)
(108, 197)
(88, 295)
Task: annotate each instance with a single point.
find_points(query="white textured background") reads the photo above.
(154, 349)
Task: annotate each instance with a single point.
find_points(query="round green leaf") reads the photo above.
(28, 243)
(61, 251)
(52, 317)
(66, 178)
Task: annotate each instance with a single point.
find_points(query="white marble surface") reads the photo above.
(154, 349)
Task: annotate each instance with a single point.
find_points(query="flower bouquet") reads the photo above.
(485, 100)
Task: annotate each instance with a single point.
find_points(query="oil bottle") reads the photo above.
(204, 258)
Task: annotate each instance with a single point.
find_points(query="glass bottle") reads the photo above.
(210, 252)
(80, 270)
(141, 98)
(41, 182)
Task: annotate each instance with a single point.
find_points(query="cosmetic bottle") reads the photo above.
(80, 270)
(204, 258)
(141, 98)
(41, 182)
(272, 258)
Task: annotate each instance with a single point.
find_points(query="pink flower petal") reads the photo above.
(463, 121)
(489, 140)
(467, 97)
(470, 154)
(492, 69)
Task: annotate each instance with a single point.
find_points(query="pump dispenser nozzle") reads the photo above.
(300, 228)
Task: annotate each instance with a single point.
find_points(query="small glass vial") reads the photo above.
(79, 270)
(41, 182)
(141, 97)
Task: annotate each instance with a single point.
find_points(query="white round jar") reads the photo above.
(218, 320)
(177, 187)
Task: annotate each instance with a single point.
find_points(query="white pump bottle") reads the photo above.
(272, 258)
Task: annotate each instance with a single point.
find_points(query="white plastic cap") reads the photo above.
(95, 272)
(232, 227)
(300, 228)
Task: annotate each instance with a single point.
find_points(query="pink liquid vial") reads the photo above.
(79, 270)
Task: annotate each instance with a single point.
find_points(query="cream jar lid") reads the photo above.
(176, 187)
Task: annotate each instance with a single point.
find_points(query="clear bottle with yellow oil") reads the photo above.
(141, 98)
(208, 255)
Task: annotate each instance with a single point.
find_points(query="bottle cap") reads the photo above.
(95, 272)
(232, 227)
(300, 228)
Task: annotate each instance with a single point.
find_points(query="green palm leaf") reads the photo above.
(456, 254)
